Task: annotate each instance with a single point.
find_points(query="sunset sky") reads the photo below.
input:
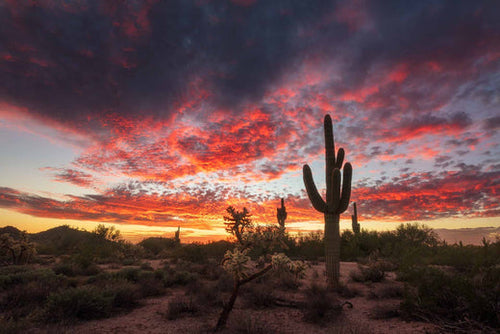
(157, 114)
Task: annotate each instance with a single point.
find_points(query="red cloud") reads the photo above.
(432, 195)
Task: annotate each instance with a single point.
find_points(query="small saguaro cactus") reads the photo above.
(336, 201)
(177, 237)
(281, 215)
(356, 228)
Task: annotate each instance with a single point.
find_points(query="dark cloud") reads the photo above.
(68, 62)
(492, 123)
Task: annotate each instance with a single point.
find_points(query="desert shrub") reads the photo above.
(14, 269)
(72, 269)
(252, 325)
(386, 292)
(180, 306)
(129, 261)
(356, 246)
(216, 249)
(156, 245)
(225, 283)
(146, 266)
(408, 244)
(371, 273)
(434, 294)
(309, 247)
(26, 275)
(320, 306)
(125, 294)
(82, 303)
(383, 311)
(347, 291)
(22, 300)
(191, 252)
(65, 269)
(150, 284)
(468, 258)
(259, 295)
(130, 274)
(101, 278)
(9, 325)
(204, 294)
(349, 328)
(179, 278)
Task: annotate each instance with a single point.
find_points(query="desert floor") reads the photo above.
(363, 317)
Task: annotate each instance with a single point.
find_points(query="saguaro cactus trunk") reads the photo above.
(356, 228)
(281, 214)
(336, 201)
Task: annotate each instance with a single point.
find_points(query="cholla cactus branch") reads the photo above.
(237, 222)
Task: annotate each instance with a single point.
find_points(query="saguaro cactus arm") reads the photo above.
(312, 192)
(346, 189)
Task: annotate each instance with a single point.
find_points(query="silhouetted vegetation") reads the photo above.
(455, 286)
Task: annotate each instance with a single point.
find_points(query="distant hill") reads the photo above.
(61, 239)
(155, 245)
(13, 231)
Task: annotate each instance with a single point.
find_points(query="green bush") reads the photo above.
(434, 294)
(179, 306)
(150, 284)
(204, 294)
(83, 303)
(125, 294)
(371, 273)
(191, 252)
(320, 306)
(179, 278)
(259, 295)
(130, 274)
(24, 276)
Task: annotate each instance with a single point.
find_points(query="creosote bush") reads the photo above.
(433, 294)
(320, 305)
(180, 306)
(371, 273)
(82, 303)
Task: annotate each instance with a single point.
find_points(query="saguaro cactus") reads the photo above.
(177, 237)
(281, 215)
(356, 228)
(336, 201)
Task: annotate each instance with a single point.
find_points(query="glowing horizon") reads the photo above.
(153, 116)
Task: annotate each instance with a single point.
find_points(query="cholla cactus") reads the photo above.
(281, 262)
(21, 250)
(237, 222)
(266, 239)
(336, 201)
(236, 263)
(281, 214)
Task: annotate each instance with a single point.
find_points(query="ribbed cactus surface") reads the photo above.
(356, 228)
(281, 214)
(337, 200)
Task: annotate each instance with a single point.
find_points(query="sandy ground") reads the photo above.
(149, 318)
